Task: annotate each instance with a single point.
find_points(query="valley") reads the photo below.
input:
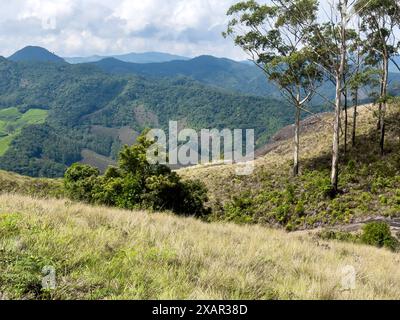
(80, 99)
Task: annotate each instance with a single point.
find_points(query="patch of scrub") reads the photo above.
(12, 122)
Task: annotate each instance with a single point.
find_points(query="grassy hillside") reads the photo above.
(369, 183)
(159, 256)
(44, 188)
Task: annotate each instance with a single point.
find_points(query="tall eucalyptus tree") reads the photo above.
(273, 36)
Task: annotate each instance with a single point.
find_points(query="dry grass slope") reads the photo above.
(370, 183)
(313, 144)
(43, 187)
(102, 253)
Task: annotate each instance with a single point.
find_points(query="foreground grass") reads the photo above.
(102, 253)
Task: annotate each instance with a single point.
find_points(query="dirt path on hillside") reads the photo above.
(356, 226)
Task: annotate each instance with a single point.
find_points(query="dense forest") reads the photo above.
(89, 109)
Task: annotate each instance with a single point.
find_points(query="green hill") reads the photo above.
(140, 255)
(88, 109)
(225, 74)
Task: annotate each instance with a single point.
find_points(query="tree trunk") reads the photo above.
(338, 105)
(346, 120)
(384, 103)
(379, 124)
(336, 135)
(353, 133)
(296, 142)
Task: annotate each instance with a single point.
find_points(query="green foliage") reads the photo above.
(80, 181)
(379, 234)
(240, 210)
(136, 184)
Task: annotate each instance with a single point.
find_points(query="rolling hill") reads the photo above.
(139, 255)
(88, 111)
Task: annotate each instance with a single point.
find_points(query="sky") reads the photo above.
(73, 28)
(86, 27)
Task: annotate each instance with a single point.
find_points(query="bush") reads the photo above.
(79, 182)
(136, 184)
(240, 210)
(378, 234)
(338, 235)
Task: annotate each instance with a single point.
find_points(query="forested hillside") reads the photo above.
(87, 109)
(229, 75)
(223, 73)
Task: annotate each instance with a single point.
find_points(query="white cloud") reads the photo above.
(85, 27)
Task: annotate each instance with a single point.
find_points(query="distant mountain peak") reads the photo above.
(145, 57)
(33, 53)
(111, 59)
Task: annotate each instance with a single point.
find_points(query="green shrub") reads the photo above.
(379, 234)
(240, 210)
(79, 182)
(136, 184)
(351, 166)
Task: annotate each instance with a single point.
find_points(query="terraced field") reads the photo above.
(12, 121)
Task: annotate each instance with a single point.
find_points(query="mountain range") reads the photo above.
(243, 77)
(220, 72)
(53, 113)
(146, 57)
